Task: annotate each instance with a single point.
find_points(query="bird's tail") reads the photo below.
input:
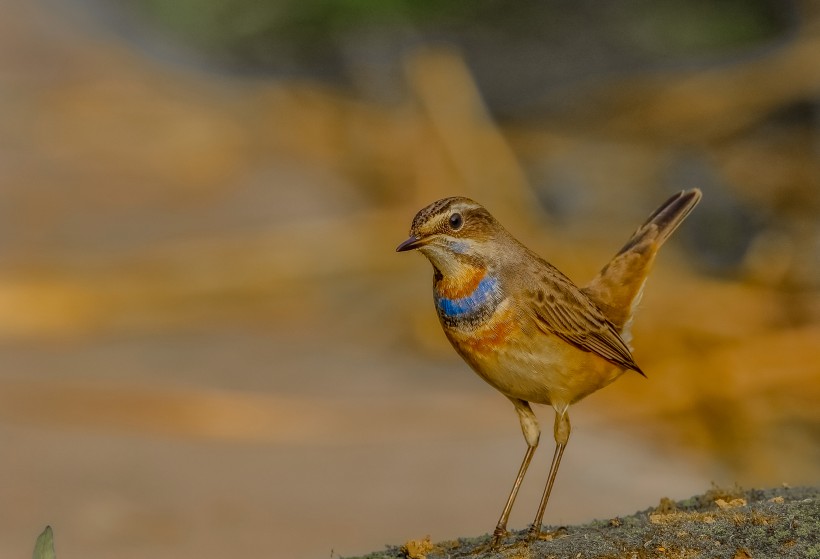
(618, 286)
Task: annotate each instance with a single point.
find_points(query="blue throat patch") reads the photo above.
(486, 292)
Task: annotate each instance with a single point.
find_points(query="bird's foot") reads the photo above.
(535, 533)
(498, 535)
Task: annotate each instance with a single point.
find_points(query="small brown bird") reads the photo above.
(523, 326)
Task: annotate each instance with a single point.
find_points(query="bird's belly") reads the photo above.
(554, 372)
(531, 366)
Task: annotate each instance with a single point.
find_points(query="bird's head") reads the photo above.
(452, 233)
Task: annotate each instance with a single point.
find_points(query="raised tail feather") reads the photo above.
(618, 287)
(663, 221)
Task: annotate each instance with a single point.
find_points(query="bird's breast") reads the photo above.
(468, 301)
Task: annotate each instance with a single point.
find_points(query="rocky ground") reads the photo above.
(720, 524)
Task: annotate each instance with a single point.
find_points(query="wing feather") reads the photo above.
(569, 314)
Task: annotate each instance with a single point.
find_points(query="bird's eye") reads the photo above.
(456, 221)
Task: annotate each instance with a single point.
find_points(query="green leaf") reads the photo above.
(44, 547)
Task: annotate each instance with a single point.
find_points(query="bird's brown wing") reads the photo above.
(563, 310)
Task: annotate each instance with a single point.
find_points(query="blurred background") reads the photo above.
(208, 347)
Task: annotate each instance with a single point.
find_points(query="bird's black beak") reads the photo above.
(410, 244)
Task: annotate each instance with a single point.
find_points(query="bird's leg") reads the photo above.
(529, 425)
(561, 431)
(501, 528)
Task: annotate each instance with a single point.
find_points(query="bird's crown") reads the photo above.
(456, 216)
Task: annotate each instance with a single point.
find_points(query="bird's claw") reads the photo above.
(533, 533)
(498, 535)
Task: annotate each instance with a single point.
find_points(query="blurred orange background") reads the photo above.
(208, 347)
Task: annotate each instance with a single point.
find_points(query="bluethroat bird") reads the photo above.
(525, 327)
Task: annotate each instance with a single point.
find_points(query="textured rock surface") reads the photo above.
(724, 524)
